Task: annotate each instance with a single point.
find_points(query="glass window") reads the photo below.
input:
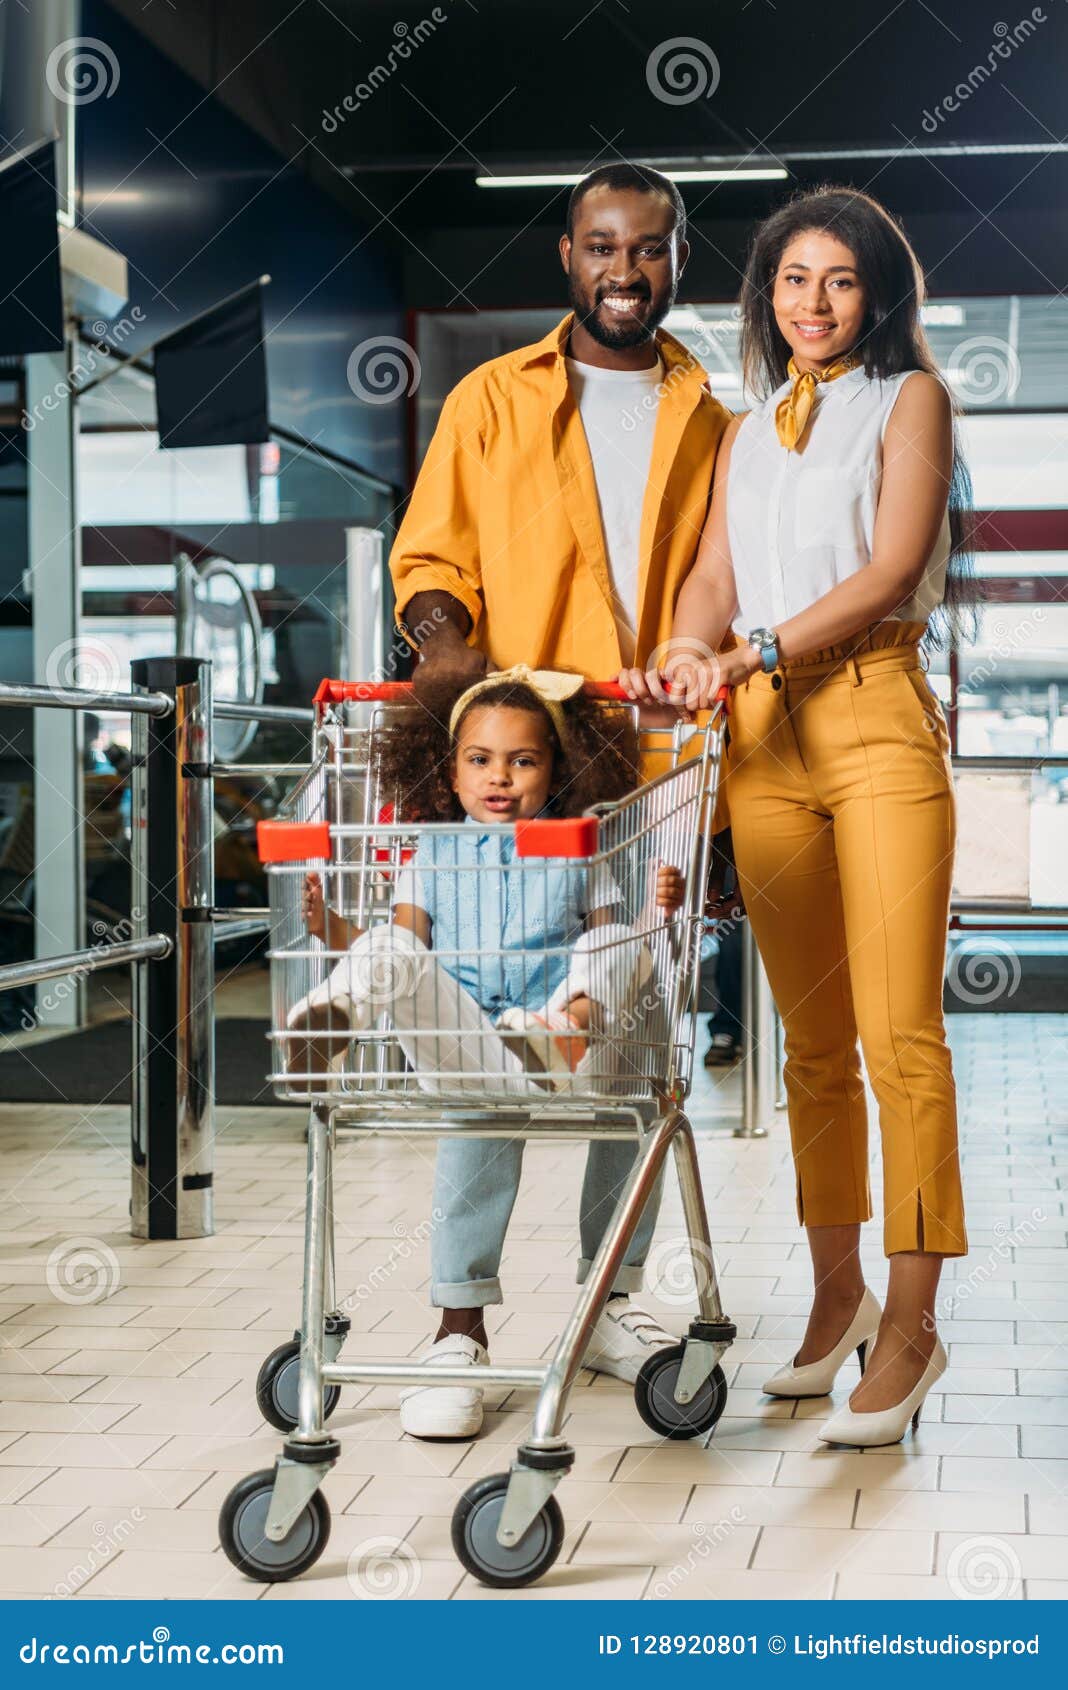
(1017, 462)
(1034, 564)
(1012, 691)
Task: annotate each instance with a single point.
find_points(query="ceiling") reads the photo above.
(489, 85)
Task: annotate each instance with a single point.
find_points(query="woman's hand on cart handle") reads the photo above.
(696, 683)
(642, 686)
(685, 685)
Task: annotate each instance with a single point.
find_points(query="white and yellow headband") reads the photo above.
(549, 686)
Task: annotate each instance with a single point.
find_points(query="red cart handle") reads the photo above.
(398, 692)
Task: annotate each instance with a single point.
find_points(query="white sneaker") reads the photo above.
(624, 1339)
(445, 1411)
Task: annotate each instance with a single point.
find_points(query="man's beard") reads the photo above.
(616, 337)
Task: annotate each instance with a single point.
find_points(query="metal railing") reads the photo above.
(172, 885)
(20, 696)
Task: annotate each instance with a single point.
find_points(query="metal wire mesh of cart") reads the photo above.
(493, 965)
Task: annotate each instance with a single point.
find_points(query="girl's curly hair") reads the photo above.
(597, 760)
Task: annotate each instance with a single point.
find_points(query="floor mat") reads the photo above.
(93, 1066)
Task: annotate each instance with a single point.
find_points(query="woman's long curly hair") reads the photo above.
(892, 340)
(595, 762)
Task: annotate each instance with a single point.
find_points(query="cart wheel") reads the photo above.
(654, 1397)
(243, 1532)
(474, 1537)
(276, 1388)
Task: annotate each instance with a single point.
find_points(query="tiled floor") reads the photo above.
(127, 1407)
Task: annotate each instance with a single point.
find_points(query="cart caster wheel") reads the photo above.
(276, 1388)
(474, 1537)
(654, 1397)
(243, 1534)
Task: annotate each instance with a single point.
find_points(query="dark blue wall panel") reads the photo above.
(200, 206)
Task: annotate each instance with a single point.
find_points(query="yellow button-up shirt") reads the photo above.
(505, 515)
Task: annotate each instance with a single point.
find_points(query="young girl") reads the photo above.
(489, 972)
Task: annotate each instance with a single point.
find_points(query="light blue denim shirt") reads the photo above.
(502, 927)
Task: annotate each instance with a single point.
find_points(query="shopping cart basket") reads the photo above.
(388, 1035)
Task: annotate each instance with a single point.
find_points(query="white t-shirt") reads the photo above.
(618, 410)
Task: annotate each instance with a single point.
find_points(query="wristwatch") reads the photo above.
(766, 641)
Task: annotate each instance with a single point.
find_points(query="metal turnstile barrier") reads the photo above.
(174, 922)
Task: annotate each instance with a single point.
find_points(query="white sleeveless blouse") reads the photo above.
(799, 522)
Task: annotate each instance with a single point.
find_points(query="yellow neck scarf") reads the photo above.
(793, 412)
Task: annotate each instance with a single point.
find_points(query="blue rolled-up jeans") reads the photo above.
(475, 1188)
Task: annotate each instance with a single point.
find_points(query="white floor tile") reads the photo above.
(124, 1423)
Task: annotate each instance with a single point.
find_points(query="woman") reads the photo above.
(838, 507)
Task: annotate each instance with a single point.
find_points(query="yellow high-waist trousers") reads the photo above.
(840, 794)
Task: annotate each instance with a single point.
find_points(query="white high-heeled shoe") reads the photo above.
(816, 1378)
(885, 1425)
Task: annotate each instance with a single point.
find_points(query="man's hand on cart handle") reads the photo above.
(724, 906)
(451, 657)
(723, 895)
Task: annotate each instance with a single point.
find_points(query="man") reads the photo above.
(555, 517)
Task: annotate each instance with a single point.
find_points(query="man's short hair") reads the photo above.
(622, 176)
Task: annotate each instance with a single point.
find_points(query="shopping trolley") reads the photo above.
(383, 1034)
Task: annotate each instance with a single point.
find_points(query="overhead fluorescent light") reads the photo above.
(750, 173)
(686, 319)
(942, 316)
(772, 173)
